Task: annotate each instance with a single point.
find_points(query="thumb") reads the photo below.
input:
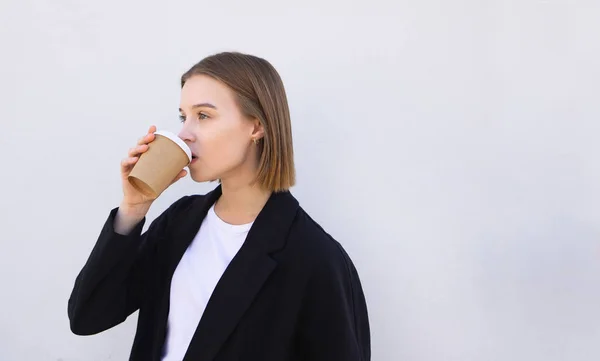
(181, 174)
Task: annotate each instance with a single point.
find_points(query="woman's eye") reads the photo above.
(200, 117)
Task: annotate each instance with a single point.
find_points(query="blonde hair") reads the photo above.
(260, 95)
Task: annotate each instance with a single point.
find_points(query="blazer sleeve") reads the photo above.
(334, 318)
(109, 287)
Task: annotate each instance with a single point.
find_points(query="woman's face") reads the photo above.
(219, 135)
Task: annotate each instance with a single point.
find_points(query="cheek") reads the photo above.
(223, 148)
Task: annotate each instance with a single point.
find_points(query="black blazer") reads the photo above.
(290, 293)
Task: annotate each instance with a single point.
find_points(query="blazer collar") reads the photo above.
(268, 233)
(246, 273)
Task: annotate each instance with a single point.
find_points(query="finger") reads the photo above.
(148, 138)
(181, 174)
(127, 163)
(136, 151)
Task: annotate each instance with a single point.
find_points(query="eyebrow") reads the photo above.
(202, 105)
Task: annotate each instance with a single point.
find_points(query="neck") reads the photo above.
(240, 204)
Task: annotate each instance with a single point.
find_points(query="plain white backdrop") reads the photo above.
(450, 146)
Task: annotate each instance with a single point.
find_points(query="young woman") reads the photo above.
(241, 273)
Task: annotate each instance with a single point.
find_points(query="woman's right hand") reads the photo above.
(134, 200)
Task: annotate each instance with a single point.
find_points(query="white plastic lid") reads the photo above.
(177, 140)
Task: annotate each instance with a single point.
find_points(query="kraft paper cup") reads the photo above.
(166, 156)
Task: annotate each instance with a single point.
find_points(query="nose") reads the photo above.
(186, 134)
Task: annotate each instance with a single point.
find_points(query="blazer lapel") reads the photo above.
(244, 277)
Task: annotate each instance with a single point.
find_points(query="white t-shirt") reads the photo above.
(195, 278)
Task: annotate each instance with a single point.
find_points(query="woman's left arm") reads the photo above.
(334, 322)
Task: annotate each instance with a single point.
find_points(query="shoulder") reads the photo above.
(329, 274)
(320, 251)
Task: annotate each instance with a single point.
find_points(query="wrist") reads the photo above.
(134, 211)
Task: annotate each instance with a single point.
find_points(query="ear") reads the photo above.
(258, 130)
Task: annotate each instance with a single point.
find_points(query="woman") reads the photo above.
(241, 273)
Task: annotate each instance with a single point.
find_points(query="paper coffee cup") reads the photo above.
(166, 156)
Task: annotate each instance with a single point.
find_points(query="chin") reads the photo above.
(199, 177)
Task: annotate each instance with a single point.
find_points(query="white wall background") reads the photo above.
(450, 146)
